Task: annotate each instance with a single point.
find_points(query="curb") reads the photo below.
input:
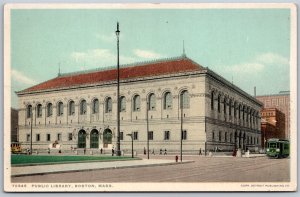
(108, 168)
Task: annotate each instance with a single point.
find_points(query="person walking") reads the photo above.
(165, 151)
(112, 152)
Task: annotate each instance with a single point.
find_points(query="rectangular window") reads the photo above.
(59, 137)
(37, 137)
(167, 135)
(27, 137)
(135, 135)
(70, 136)
(121, 135)
(184, 135)
(150, 135)
(48, 137)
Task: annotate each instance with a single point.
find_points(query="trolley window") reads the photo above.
(272, 145)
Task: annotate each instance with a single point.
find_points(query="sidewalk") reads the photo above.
(75, 167)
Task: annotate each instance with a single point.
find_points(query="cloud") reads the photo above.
(106, 38)
(272, 58)
(146, 54)
(98, 57)
(21, 78)
(246, 68)
(259, 63)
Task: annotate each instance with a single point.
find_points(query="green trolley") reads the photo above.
(278, 148)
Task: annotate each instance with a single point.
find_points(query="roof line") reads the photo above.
(141, 63)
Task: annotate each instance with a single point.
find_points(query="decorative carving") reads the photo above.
(128, 92)
(143, 91)
(193, 86)
(159, 89)
(175, 88)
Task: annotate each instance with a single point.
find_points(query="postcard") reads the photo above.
(150, 97)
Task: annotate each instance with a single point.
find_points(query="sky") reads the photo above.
(250, 47)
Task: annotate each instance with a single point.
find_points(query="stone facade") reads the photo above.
(91, 122)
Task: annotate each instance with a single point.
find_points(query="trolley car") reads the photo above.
(15, 147)
(278, 148)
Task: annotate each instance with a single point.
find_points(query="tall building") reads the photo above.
(272, 124)
(280, 101)
(79, 110)
(14, 125)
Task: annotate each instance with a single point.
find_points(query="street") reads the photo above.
(204, 169)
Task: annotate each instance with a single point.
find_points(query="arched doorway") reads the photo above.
(82, 139)
(107, 137)
(94, 137)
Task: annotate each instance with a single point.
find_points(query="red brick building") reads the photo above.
(281, 101)
(272, 124)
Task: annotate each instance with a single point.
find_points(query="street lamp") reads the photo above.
(118, 93)
(31, 122)
(148, 128)
(131, 135)
(181, 124)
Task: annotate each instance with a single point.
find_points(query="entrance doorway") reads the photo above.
(107, 138)
(82, 139)
(94, 136)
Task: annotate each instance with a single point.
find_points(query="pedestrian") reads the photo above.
(101, 151)
(48, 150)
(112, 152)
(165, 151)
(153, 153)
(200, 152)
(176, 158)
(144, 151)
(84, 151)
(160, 151)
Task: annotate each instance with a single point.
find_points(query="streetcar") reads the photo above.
(15, 147)
(278, 148)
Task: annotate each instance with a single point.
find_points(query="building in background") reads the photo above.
(79, 110)
(280, 101)
(14, 125)
(272, 124)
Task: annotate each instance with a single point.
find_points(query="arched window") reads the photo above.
(83, 107)
(212, 101)
(29, 111)
(71, 108)
(184, 99)
(230, 106)
(168, 100)
(95, 106)
(136, 103)
(220, 136)
(243, 112)
(122, 103)
(39, 110)
(230, 138)
(152, 102)
(235, 109)
(240, 109)
(49, 109)
(60, 109)
(213, 136)
(108, 105)
(225, 103)
(219, 103)
(225, 137)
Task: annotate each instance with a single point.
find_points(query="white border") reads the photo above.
(290, 186)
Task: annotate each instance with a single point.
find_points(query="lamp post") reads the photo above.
(31, 119)
(147, 129)
(131, 135)
(181, 122)
(118, 93)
